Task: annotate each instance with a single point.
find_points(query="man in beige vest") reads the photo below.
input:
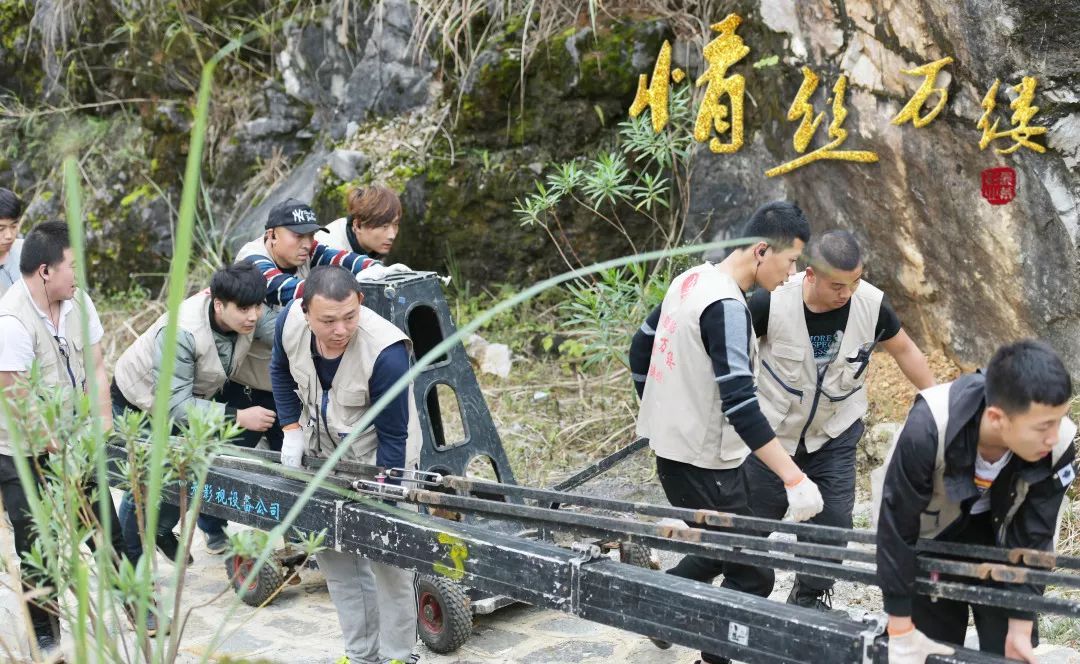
(370, 227)
(699, 408)
(986, 460)
(332, 359)
(817, 333)
(216, 328)
(285, 253)
(10, 242)
(40, 325)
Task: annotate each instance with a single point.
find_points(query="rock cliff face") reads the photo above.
(344, 101)
(965, 275)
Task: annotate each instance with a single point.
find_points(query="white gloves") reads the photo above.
(292, 448)
(372, 273)
(914, 647)
(379, 271)
(804, 499)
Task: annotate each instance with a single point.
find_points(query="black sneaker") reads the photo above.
(217, 543)
(49, 646)
(811, 598)
(169, 544)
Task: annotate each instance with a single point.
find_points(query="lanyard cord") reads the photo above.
(320, 404)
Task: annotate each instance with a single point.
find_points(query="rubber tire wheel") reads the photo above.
(443, 617)
(636, 554)
(262, 587)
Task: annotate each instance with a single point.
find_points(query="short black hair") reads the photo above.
(836, 249)
(241, 283)
(44, 245)
(10, 205)
(1026, 372)
(331, 281)
(780, 223)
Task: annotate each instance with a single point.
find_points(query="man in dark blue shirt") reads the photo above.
(332, 358)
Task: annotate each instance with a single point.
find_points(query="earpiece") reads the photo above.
(45, 269)
(761, 252)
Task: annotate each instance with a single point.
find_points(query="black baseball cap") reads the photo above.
(294, 215)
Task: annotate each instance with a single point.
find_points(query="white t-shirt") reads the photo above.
(985, 474)
(16, 344)
(9, 268)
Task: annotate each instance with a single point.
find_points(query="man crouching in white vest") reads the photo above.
(817, 334)
(699, 408)
(332, 359)
(986, 460)
(216, 328)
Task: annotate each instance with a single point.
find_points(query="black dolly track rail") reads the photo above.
(595, 588)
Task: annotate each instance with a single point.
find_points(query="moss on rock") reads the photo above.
(576, 84)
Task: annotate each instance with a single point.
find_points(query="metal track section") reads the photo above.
(638, 600)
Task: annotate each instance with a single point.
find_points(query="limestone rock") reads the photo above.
(490, 358)
(347, 164)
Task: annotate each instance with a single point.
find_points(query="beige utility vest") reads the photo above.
(134, 370)
(681, 413)
(942, 512)
(788, 377)
(348, 399)
(254, 370)
(335, 235)
(56, 371)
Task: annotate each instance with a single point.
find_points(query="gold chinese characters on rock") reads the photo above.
(802, 110)
(720, 116)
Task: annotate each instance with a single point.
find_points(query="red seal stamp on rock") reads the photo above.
(999, 185)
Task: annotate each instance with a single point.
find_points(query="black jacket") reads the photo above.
(909, 486)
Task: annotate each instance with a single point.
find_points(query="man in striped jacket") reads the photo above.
(284, 254)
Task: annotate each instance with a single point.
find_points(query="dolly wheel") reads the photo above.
(443, 618)
(257, 590)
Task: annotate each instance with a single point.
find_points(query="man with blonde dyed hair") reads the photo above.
(371, 226)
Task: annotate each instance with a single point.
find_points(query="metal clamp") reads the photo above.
(586, 552)
(875, 627)
(415, 475)
(380, 489)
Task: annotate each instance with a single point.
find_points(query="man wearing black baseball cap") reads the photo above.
(284, 254)
(295, 216)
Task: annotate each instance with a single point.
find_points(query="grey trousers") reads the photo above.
(376, 606)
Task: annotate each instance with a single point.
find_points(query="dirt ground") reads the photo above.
(889, 392)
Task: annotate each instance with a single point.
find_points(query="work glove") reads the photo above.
(292, 448)
(804, 499)
(914, 647)
(373, 272)
(379, 271)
